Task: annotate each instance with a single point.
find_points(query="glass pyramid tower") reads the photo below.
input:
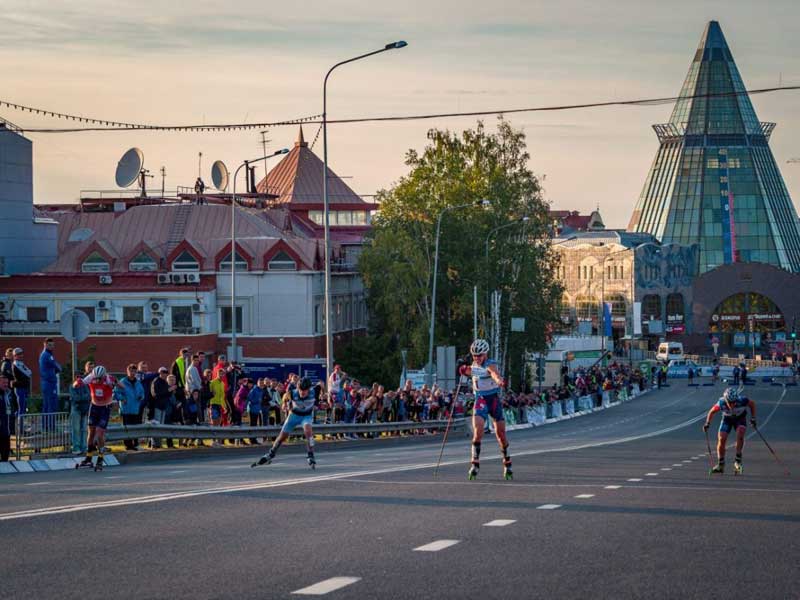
(714, 180)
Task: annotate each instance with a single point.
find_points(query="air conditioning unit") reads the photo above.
(104, 304)
(157, 322)
(163, 279)
(177, 278)
(199, 307)
(192, 277)
(157, 306)
(105, 280)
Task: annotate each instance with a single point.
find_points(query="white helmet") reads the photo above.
(99, 372)
(479, 346)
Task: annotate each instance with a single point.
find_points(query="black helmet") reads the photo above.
(305, 384)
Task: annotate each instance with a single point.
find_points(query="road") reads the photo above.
(618, 504)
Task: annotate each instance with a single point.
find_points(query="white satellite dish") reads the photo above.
(219, 175)
(129, 167)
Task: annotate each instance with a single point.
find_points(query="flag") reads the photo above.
(607, 318)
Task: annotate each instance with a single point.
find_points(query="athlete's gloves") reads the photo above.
(706, 426)
(753, 422)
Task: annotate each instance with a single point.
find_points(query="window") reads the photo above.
(36, 314)
(618, 305)
(143, 262)
(675, 308)
(95, 263)
(185, 262)
(586, 307)
(225, 319)
(181, 319)
(89, 310)
(225, 263)
(282, 262)
(133, 314)
(651, 307)
(316, 216)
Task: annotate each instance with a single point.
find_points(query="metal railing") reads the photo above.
(43, 434)
(118, 433)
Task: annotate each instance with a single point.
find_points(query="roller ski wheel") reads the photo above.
(85, 463)
(264, 460)
(99, 465)
(312, 463)
(473, 472)
(718, 470)
(738, 469)
(508, 474)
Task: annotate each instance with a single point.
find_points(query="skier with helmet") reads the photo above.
(102, 396)
(733, 405)
(301, 415)
(486, 384)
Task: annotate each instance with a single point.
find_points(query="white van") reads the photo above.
(668, 351)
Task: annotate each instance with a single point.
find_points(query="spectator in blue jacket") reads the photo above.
(48, 372)
(129, 392)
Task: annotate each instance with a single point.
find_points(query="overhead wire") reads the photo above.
(110, 125)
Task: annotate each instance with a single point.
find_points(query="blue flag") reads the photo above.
(607, 318)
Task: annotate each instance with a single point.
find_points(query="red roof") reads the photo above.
(297, 179)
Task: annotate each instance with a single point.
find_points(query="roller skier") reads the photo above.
(733, 405)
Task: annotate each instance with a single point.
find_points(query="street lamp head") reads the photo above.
(396, 45)
(282, 151)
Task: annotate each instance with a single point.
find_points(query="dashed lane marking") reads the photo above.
(548, 506)
(178, 471)
(651, 474)
(499, 523)
(687, 461)
(40, 483)
(584, 496)
(436, 546)
(612, 487)
(327, 586)
(677, 465)
(634, 479)
(666, 468)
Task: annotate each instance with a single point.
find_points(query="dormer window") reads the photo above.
(282, 262)
(95, 263)
(225, 263)
(185, 262)
(143, 262)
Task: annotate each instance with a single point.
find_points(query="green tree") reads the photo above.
(398, 260)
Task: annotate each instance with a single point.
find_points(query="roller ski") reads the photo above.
(719, 469)
(473, 471)
(264, 460)
(311, 461)
(738, 469)
(86, 462)
(98, 466)
(508, 474)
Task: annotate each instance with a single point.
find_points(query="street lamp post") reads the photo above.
(429, 367)
(233, 352)
(328, 342)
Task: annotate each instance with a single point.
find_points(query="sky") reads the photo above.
(255, 61)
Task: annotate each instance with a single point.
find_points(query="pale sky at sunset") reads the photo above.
(255, 61)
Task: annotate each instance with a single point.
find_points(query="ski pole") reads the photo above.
(447, 429)
(780, 462)
(710, 456)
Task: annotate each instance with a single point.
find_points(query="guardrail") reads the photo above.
(118, 433)
(42, 434)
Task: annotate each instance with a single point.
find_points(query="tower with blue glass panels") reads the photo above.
(714, 181)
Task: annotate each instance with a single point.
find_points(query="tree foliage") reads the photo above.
(398, 261)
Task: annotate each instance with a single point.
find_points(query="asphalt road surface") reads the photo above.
(618, 504)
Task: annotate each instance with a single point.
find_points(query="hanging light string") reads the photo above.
(107, 125)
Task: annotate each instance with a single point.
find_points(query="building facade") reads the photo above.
(714, 181)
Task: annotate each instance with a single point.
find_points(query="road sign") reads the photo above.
(75, 325)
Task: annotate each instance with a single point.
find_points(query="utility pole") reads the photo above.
(163, 178)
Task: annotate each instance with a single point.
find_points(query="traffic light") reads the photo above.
(794, 335)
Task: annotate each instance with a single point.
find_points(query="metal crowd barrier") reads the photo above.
(38, 433)
(201, 432)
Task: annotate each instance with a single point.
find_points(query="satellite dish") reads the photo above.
(129, 167)
(219, 175)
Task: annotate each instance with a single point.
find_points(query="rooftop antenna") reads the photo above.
(163, 178)
(219, 175)
(199, 163)
(264, 142)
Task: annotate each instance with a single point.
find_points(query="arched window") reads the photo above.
(564, 309)
(185, 262)
(143, 262)
(95, 263)
(651, 307)
(282, 262)
(225, 263)
(618, 305)
(675, 306)
(586, 307)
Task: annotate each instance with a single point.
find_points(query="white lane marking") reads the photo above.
(584, 496)
(327, 586)
(666, 468)
(436, 546)
(634, 479)
(499, 522)
(114, 476)
(548, 506)
(40, 483)
(179, 471)
(677, 465)
(612, 487)
(651, 474)
(238, 488)
(687, 461)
